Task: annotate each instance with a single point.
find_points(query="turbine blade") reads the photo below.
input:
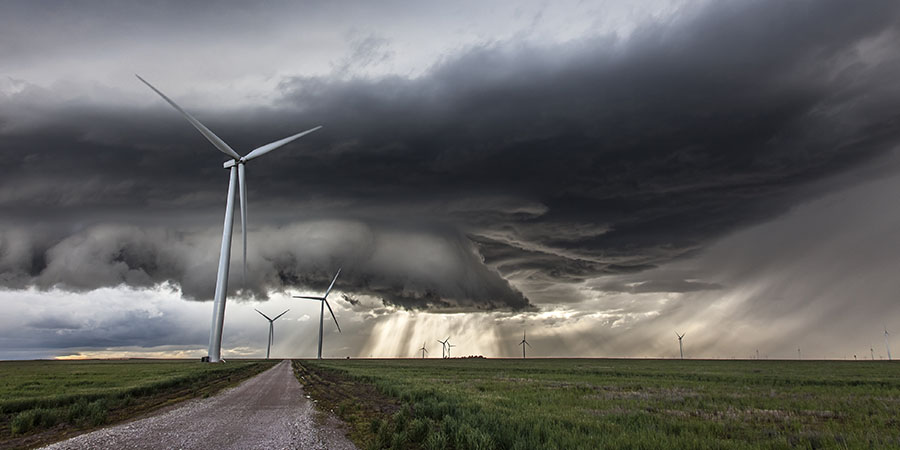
(276, 317)
(332, 315)
(309, 298)
(332, 282)
(242, 186)
(267, 317)
(259, 151)
(526, 343)
(209, 135)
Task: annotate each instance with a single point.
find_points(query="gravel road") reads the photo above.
(268, 411)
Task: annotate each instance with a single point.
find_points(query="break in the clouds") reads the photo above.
(473, 158)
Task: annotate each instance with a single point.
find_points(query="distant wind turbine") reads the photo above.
(324, 300)
(798, 353)
(523, 344)
(444, 347)
(680, 347)
(236, 166)
(271, 329)
(887, 345)
(424, 351)
(449, 346)
(872, 351)
(757, 353)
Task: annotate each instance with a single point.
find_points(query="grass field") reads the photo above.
(597, 403)
(42, 400)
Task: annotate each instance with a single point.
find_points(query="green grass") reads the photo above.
(627, 404)
(40, 395)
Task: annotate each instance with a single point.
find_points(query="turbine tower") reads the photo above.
(449, 346)
(424, 351)
(271, 329)
(523, 344)
(324, 300)
(887, 345)
(680, 347)
(236, 168)
(444, 347)
(872, 351)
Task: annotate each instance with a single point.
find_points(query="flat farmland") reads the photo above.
(610, 403)
(43, 401)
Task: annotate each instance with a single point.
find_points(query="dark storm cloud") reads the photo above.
(565, 162)
(411, 268)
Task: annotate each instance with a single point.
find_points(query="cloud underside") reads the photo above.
(406, 269)
(599, 157)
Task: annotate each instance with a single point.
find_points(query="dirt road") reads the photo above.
(268, 411)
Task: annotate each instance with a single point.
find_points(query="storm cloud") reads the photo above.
(500, 174)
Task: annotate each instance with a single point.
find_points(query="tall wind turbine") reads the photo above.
(444, 347)
(680, 347)
(449, 346)
(523, 344)
(424, 351)
(236, 167)
(872, 351)
(324, 300)
(886, 344)
(271, 329)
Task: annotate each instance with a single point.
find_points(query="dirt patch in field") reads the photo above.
(651, 393)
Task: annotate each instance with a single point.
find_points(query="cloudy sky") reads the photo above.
(600, 173)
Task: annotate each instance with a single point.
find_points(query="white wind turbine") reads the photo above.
(449, 346)
(236, 167)
(887, 345)
(680, 347)
(523, 344)
(271, 329)
(424, 351)
(324, 300)
(444, 347)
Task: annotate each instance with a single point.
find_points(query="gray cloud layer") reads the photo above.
(506, 161)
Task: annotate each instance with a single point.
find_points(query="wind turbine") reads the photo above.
(236, 168)
(798, 353)
(680, 347)
(424, 351)
(757, 353)
(324, 300)
(886, 344)
(444, 347)
(449, 346)
(872, 350)
(271, 329)
(523, 344)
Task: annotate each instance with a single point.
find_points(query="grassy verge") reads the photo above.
(631, 404)
(361, 406)
(45, 401)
